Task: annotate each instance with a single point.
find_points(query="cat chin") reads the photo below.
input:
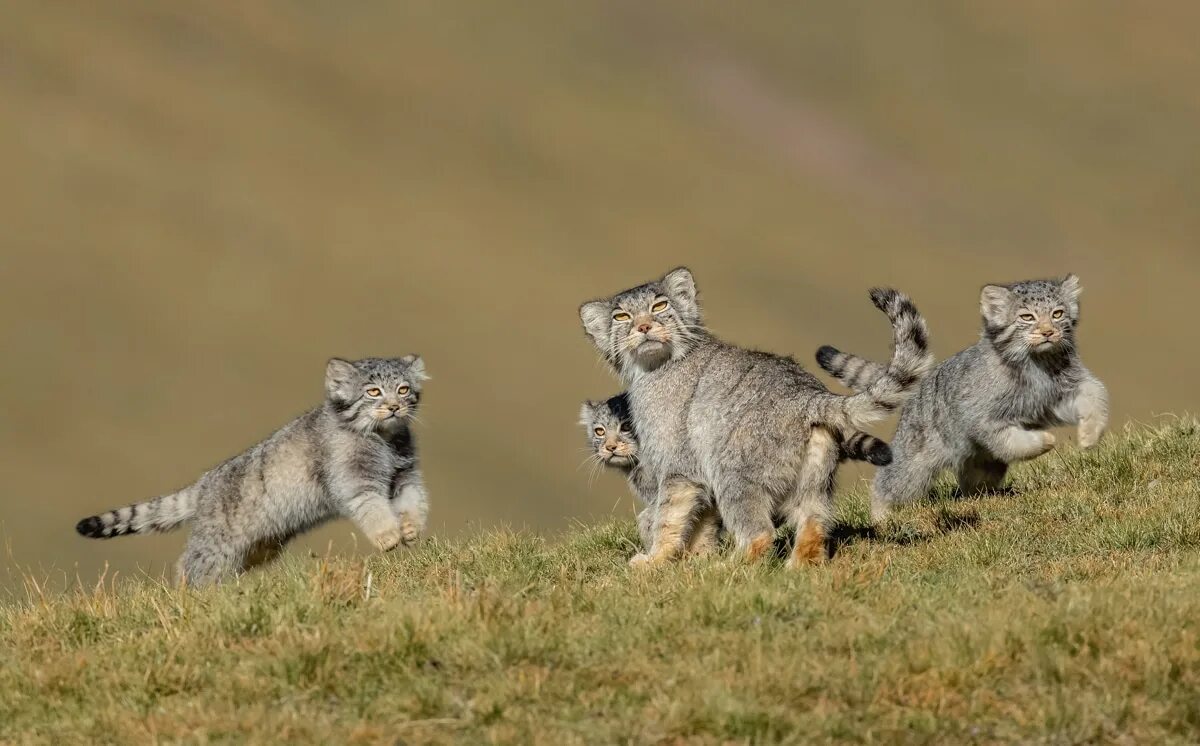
(390, 424)
(1044, 347)
(651, 354)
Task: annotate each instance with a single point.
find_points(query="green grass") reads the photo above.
(1063, 613)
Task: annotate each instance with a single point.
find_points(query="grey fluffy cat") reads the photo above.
(757, 429)
(989, 405)
(613, 443)
(354, 456)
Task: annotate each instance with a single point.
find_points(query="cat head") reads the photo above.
(375, 394)
(609, 430)
(1031, 318)
(646, 326)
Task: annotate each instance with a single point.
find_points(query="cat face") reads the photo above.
(609, 433)
(1032, 318)
(646, 326)
(375, 394)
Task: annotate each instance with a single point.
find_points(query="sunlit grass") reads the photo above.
(1063, 612)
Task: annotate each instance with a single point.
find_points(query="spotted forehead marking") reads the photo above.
(383, 370)
(1038, 292)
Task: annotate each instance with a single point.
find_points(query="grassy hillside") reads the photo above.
(200, 202)
(1061, 613)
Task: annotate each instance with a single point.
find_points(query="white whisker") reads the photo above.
(587, 460)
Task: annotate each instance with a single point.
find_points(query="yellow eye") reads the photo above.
(621, 316)
(599, 432)
(403, 390)
(660, 306)
(373, 392)
(1027, 317)
(1058, 314)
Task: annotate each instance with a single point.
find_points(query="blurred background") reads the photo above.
(201, 202)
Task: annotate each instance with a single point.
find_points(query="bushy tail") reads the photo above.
(153, 516)
(883, 391)
(856, 373)
(863, 447)
(911, 340)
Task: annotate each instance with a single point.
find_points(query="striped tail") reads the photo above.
(153, 516)
(856, 373)
(911, 339)
(911, 361)
(863, 447)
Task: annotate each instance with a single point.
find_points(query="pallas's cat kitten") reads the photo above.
(354, 456)
(989, 405)
(612, 442)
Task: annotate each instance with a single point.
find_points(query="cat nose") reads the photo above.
(610, 447)
(643, 328)
(393, 407)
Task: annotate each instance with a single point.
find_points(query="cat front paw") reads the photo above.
(641, 559)
(409, 531)
(388, 539)
(1090, 433)
(1048, 442)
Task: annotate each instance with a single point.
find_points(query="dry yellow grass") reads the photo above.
(1060, 614)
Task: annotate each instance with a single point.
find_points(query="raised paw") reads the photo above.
(1048, 442)
(388, 539)
(1090, 433)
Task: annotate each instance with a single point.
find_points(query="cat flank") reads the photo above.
(354, 457)
(989, 405)
(759, 431)
(613, 443)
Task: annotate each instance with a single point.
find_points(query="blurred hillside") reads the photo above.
(201, 202)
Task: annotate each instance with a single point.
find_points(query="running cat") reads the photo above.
(354, 456)
(989, 405)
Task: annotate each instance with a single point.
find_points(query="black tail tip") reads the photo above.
(825, 356)
(90, 527)
(880, 454)
(883, 298)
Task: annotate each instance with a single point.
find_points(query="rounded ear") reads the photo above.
(1071, 289)
(585, 413)
(680, 284)
(339, 374)
(597, 320)
(416, 368)
(993, 303)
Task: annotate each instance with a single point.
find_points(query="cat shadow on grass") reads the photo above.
(946, 519)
